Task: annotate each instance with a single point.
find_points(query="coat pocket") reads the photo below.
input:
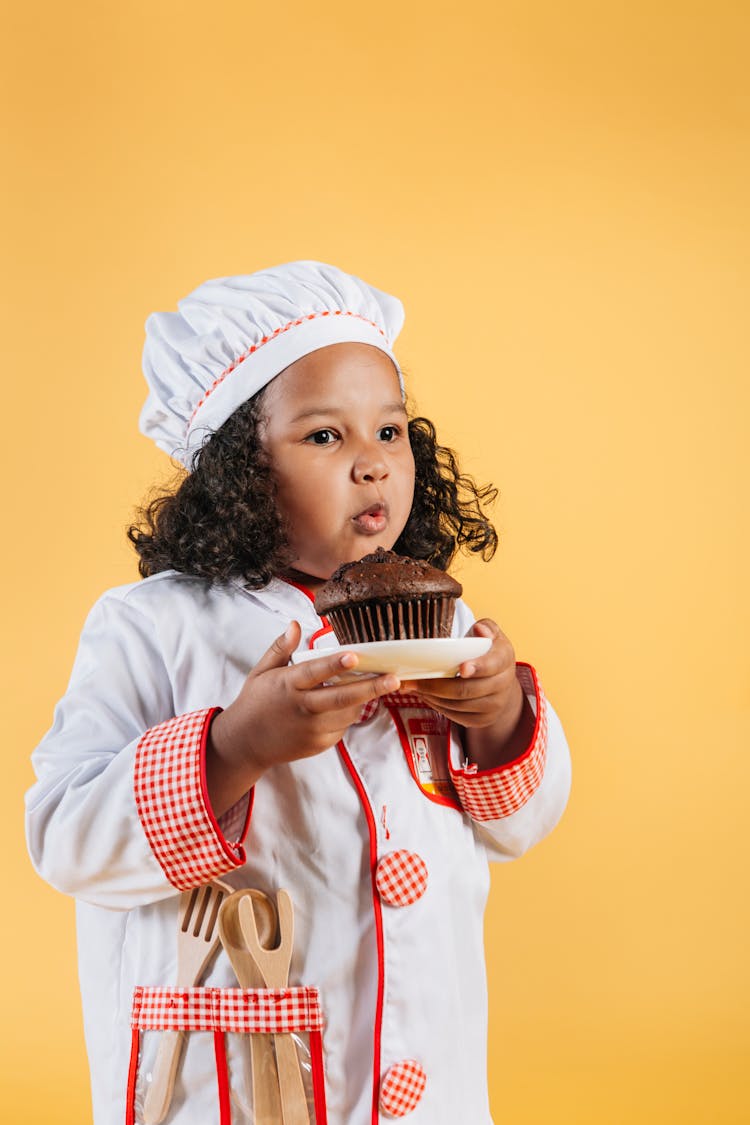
(425, 739)
(244, 1056)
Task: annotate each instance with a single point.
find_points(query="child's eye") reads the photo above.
(321, 437)
(388, 433)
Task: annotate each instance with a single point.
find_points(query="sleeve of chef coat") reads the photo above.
(518, 803)
(119, 815)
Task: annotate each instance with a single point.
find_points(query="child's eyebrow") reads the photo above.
(317, 411)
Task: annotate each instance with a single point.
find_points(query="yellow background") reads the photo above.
(558, 192)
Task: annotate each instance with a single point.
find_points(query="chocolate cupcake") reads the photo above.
(387, 597)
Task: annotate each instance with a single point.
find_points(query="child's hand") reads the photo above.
(282, 713)
(486, 699)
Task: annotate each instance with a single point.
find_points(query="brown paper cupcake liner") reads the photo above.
(414, 619)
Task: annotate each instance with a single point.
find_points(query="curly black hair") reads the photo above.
(221, 521)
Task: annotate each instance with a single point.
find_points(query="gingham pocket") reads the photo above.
(243, 1055)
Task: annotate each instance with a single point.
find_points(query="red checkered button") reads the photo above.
(401, 877)
(402, 1088)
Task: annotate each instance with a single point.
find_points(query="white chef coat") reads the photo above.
(397, 981)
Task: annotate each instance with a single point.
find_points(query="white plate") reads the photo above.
(429, 659)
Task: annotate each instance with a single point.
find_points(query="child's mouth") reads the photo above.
(373, 520)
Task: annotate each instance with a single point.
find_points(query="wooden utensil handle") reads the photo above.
(293, 1098)
(266, 1098)
(159, 1094)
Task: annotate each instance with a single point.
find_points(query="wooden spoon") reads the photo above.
(197, 941)
(273, 964)
(265, 1082)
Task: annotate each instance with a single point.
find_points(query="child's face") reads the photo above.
(337, 435)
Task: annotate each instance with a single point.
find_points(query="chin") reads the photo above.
(320, 572)
(369, 547)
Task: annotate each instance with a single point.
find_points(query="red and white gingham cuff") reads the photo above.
(500, 792)
(172, 802)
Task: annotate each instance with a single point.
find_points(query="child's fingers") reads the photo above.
(355, 693)
(485, 627)
(479, 705)
(459, 690)
(491, 664)
(278, 653)
(478, 672)
(500, 655)
(313, 673)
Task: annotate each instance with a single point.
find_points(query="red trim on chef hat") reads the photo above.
(232, 335)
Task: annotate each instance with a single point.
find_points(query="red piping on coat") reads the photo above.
(135, 1042)
(320, 633)
(299, 586)
(377, 910)
(318, 1078)
(222, 1078)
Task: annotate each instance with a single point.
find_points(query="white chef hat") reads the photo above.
(232, 335)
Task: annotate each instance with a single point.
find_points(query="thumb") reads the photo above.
(485, 627)
(277, 654)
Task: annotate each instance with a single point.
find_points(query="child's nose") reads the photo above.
(369, 466)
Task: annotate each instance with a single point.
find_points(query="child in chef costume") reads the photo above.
(190, 747)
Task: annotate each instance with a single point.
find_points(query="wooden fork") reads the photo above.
(197, 941)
